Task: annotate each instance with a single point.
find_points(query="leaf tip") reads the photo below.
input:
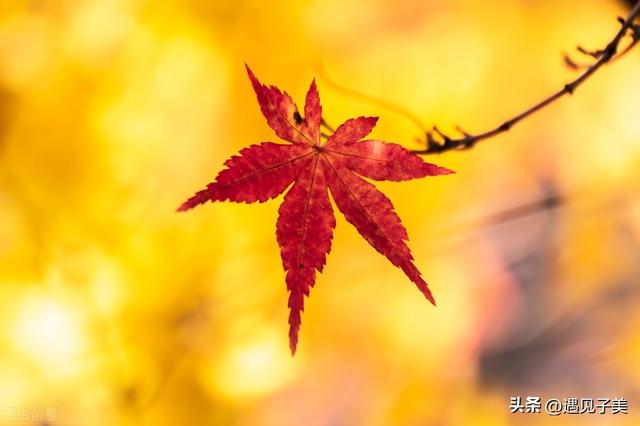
(293, 338)
(370, 121)
(187, 205)
(434, 170)
(252, 77)
(200, 197)
(427, 293)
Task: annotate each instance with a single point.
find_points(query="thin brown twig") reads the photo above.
(446, 143)
(391, 106)
(549, 202)
(324, 123)
(595, 54)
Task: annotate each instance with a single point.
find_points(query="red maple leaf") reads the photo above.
(306, 221)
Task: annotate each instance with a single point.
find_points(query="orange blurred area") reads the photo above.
(116, 310)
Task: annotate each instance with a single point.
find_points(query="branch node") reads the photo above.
(432, 144)
(569, 88)
(609, 51)
(469, 142)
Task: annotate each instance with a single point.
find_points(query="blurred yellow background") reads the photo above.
(116, 310)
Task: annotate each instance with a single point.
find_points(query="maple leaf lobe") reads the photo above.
(283, 116)
(304, 229)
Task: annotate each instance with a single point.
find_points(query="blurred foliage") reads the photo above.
(116, 310)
